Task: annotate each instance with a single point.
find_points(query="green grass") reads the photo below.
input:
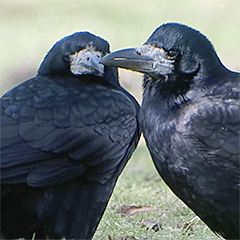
(140, 184)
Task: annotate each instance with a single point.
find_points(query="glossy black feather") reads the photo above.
(190, 120)
(65, 141)
(193, 132)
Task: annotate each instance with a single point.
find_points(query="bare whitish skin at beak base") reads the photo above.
(86, 62)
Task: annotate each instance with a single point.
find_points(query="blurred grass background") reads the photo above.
(29, 28)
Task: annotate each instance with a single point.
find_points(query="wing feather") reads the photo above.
(53, 135)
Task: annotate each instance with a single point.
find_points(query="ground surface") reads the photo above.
(140, 185)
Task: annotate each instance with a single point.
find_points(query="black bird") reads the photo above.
(66, 137)
(190, 120)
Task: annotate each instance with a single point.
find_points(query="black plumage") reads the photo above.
(190, 120)
(66, 136)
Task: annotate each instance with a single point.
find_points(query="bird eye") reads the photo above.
(172, 54)
(138, 52)
(67, 56)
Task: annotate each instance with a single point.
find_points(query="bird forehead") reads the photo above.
(83, 52)
(82, 40)
(165, 38)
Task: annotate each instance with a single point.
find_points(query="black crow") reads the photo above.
(190, 120)
(66, 137)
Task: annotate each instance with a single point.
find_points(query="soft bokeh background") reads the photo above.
(30, 27)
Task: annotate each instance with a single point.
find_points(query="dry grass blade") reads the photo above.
(186, 226)
(122, 238)
(133, 209)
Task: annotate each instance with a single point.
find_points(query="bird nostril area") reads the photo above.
(138, 52)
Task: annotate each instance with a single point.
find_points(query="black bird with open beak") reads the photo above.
(190, 120)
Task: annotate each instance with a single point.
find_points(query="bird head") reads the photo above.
(172, 49)
(77, 54)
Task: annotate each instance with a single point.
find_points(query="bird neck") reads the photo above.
(170, 91)
(111, 75)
